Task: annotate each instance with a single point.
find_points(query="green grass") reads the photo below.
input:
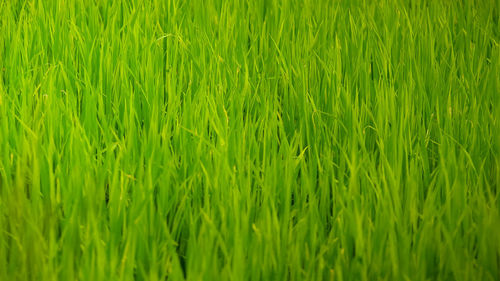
(249, 140)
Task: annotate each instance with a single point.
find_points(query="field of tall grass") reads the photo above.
(249, 140)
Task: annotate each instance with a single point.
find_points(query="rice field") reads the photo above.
(249, 140)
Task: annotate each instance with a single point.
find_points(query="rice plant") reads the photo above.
(249, 140)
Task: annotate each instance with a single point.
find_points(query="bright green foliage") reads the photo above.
(249, 140)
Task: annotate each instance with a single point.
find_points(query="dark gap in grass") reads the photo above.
(106, 194)
(181, 254)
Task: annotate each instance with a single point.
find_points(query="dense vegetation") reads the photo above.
(249, 140)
